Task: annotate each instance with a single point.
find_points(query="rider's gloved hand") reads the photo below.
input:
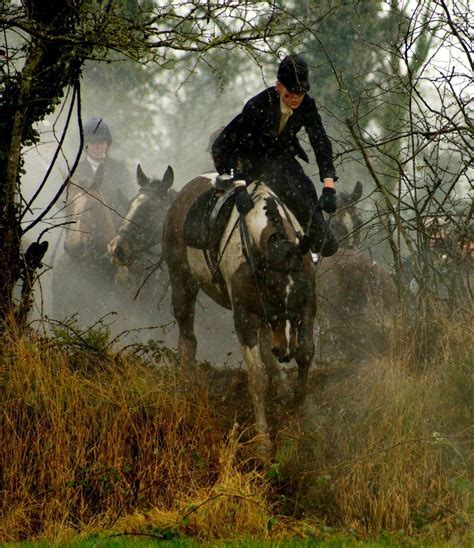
(328, 200)
(243, 200)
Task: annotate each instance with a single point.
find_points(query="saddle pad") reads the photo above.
(199, 232)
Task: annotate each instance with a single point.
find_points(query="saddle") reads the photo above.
(207, 218)
(206, 221)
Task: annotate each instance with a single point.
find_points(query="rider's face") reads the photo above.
(97, 151)
(291, 99)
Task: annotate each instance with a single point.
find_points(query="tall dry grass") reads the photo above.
(388, 446)
(96, 440)
(89, 437)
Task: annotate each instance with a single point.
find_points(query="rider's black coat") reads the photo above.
(251, 140)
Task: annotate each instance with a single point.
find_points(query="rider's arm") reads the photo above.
(328, 182)
(320, 142)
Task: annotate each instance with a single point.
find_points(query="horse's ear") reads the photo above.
(168, 178)
(142, 179)
(357, 192)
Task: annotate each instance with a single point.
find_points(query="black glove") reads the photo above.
(328, 200)
(243, 200)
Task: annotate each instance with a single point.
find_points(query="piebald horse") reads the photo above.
(267, 282)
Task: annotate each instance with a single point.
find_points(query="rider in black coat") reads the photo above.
(261, 142)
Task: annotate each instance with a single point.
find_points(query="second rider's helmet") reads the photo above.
(96, 130)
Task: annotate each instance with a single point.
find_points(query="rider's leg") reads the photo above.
(319, 233)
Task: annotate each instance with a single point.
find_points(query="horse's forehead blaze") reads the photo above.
(284, 335)
(348, 221)
(136, 205)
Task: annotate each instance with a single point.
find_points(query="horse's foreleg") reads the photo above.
(258, 385)
(304, 358)
(247, 331)
(279, 388)
(184, 293)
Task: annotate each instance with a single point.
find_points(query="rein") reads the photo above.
(247, 249)
(153, 269)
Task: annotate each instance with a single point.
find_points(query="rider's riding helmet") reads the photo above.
(212, 138)
(96, 130)
(293, 74)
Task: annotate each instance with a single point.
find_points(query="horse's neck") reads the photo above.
(94, 226)
(261, 193)
(257, 224)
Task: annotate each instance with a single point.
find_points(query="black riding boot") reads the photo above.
(320, 233)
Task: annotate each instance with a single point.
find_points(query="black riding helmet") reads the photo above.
(96, 130)
(293, 74)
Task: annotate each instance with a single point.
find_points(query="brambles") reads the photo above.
(125, 446)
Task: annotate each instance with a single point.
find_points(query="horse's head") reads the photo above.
(287, 282)
(142, 226)
(347, 221)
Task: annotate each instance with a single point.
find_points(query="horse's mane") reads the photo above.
(273, 215)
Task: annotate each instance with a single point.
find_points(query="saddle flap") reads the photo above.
(207, 218)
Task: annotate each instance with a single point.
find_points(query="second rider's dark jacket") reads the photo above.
(251, 140)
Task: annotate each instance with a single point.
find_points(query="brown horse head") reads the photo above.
(142, 226)
(93, 223)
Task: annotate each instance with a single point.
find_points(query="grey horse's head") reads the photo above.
(143, 224)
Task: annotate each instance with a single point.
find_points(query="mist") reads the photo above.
(156, 121)
(175, 137)
(131, 313)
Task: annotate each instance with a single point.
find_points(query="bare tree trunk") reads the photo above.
(26, 99)
(10, 228)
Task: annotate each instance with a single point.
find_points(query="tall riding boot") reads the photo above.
(321, 233)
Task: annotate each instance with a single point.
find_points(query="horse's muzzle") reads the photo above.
(281, 354)
(120, 252)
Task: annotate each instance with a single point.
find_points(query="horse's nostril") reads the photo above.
(120, 254)
(281, 355)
